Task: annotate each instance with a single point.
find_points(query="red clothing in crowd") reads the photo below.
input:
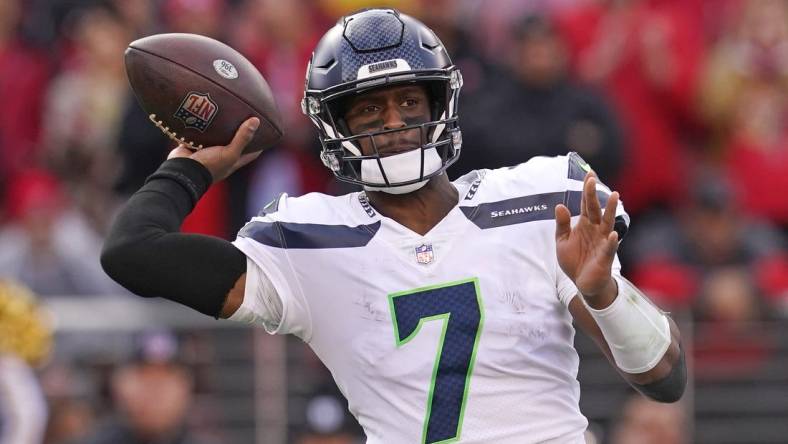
(651, 112)
(210, 215)
(759, 176)
(24, 73)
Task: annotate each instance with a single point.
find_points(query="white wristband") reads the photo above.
(637, 332)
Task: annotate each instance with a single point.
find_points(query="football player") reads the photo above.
(444, 310)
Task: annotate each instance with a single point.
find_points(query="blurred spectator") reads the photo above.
(23, 410)
(752, 51)
(671, 255)
(715, 16)
(453, 23)
(645, 55)
(494, 20)
(540, 111)
(328, 421)
(70, 393)
(84, 102)
(84, 106)
(731, 339)
(756, 155)
(745, 101)
(48, 245)
(772, 278)
(141, 146)
(24, 72)
(25, 341)
(278, 38)
(71, 420)
(139, 16)
(647, 422)
(338, 8)
(203, 17)
(152, 394)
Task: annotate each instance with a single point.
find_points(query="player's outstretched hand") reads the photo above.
(222, 161)
(586, 251)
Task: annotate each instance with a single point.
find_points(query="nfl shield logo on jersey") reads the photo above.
(197, 110)
(424, 254)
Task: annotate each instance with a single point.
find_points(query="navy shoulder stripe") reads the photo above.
(525, 209)
(573, 199)
(309, 236)
(514, 211)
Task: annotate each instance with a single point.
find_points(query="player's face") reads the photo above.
(389, 108)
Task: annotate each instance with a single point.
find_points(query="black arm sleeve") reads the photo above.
(145, 253)
(671, 387)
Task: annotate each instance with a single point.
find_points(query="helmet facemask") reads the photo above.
(440, 139)
(377, 48)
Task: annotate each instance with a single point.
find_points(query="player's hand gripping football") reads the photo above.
(586, 251)
(222, 161)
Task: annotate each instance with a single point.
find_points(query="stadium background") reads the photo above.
(682, 105)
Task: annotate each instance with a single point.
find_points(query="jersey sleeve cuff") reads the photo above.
(266, 280)
(262, 303)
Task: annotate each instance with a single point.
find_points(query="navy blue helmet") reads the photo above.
(371, 49)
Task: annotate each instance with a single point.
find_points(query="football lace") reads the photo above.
(172, 135)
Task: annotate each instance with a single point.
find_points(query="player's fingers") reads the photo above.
(609, 218)
(611, 244)
(562, 222)
(593, 207)
(244, 134)
(180, 151)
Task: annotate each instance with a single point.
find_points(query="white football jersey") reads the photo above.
(462, 334)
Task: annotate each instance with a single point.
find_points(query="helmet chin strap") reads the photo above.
(402, 167)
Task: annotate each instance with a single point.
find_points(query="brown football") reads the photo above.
(199, 90)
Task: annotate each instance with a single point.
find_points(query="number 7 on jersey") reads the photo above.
(458, 306)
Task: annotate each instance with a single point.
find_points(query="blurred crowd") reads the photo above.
(681, 105)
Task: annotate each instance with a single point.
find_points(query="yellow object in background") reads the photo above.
(25, 329)
(338, 8)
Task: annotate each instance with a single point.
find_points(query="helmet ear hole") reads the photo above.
(342, 126)
(437, 95)
(339, 107)
(336, 110)
(344, 130)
